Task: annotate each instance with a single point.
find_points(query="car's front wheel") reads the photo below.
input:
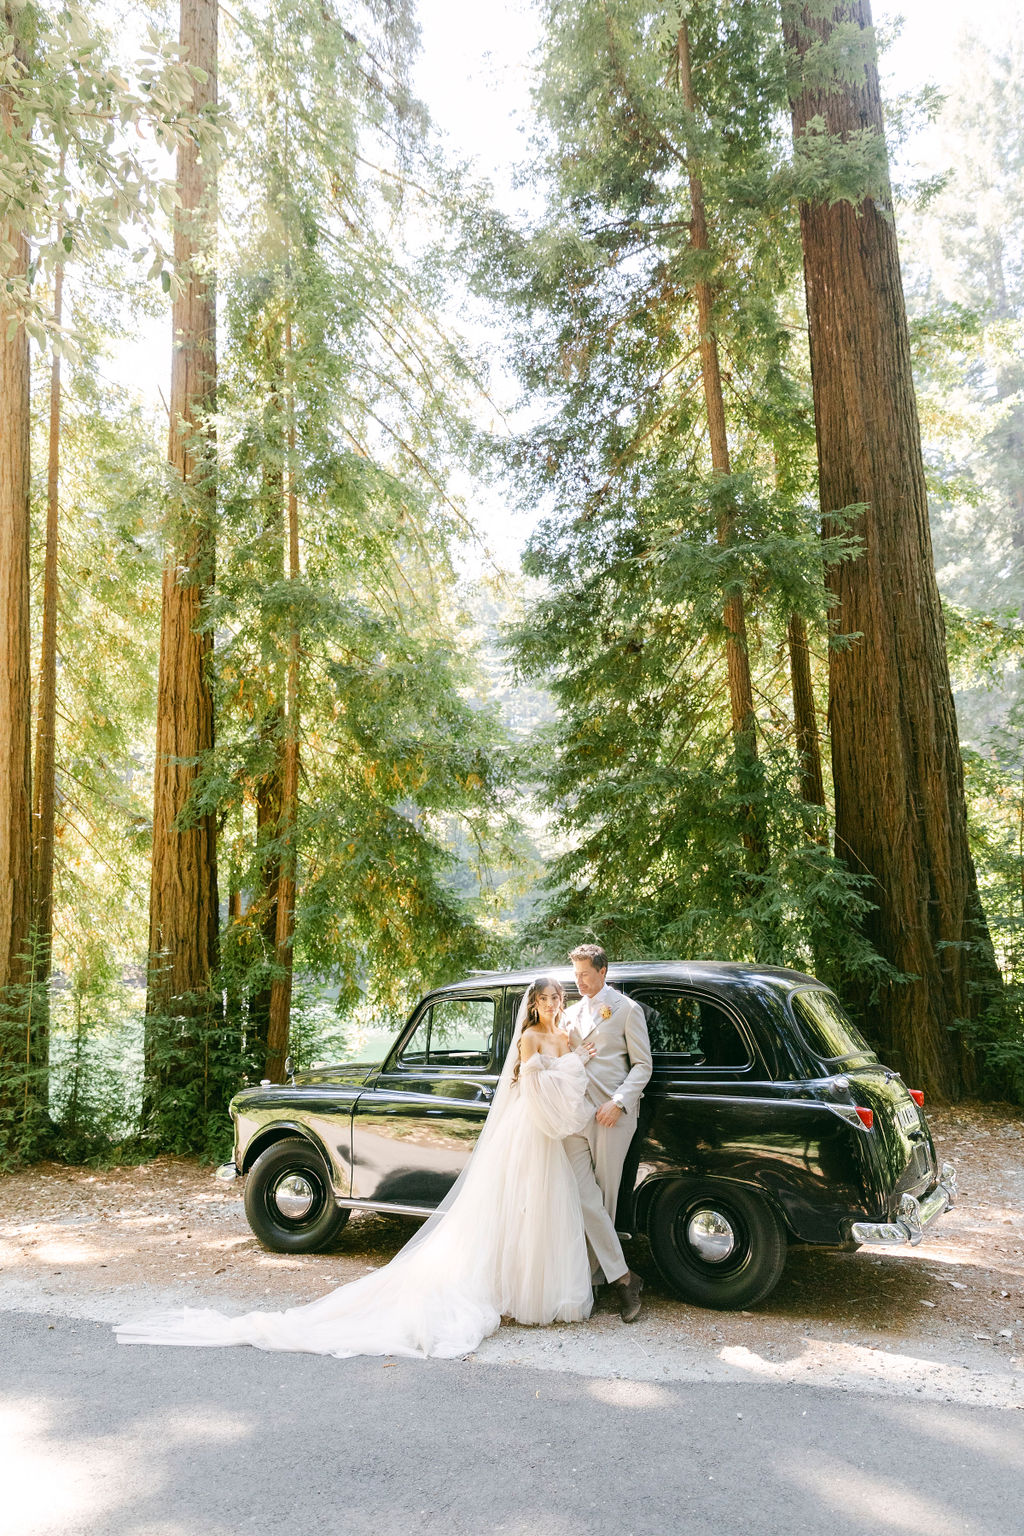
(288, 1198)
(716, 1244)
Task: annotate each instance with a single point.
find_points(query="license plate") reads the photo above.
(907, 1116)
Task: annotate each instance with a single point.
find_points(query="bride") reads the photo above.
(507, 1240)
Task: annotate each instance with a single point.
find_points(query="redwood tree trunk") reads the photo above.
(268, 815)
(281, 985)
(900, 810)
(15, 668)
(45, 766)
(812, 788)
(183, 893)
(741, 696)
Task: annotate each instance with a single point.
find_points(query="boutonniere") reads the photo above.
(606, 1012)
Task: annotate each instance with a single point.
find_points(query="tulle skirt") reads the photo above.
(511, 1243)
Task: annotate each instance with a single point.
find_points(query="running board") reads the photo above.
(384, 1205)
(404, 1210)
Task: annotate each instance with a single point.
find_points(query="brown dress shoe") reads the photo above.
(629, 1289)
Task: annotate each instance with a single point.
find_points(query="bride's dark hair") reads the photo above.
(539, 984)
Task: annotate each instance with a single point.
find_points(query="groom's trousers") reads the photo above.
(597, 1156)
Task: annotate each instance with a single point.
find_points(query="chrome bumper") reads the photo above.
(914, 1217)
(227, 1172)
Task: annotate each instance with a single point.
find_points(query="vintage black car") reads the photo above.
(768, 1120)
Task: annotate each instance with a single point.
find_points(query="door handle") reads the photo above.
(487, 1093)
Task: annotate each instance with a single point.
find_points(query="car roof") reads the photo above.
(714, 975)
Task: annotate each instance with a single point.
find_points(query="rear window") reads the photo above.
(826, 1028)
(692, 1029)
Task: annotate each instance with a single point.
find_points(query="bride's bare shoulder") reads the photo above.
(529, 1042)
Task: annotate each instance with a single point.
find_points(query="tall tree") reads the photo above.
(896, 765)
(183, 889)
(75, 173)
(344, 405)
(15, 669)
(44, 775)
(654, 304)
(812, 788)
(741, 695)
(284, 915)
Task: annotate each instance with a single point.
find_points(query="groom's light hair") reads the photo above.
(592, 952)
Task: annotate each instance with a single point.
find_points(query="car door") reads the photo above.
(705, 1066)
(415, 1127)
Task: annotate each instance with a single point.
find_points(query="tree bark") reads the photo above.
(15, 670)
(741, 696)
(268, 816)
(899, 792)
(183, 892)
(44, 778)
(812, 788)
(281, 985)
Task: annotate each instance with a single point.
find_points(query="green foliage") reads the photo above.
(961, 246)
(332, 287)
(394, 748)
(341, 227)
(649, 794)
(80, 148)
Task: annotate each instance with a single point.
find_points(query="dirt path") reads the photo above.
(945, 1319)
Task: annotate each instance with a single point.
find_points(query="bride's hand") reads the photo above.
(586, 1050)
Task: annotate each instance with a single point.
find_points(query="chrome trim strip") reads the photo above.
(404, 1210)
(383, 1205)
(845, 1112)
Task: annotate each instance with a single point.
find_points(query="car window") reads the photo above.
(826, 1028)
(454, 1032)
(693, 1029)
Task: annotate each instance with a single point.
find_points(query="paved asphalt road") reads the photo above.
(116, 1440)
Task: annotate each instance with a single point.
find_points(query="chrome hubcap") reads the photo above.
(710, 1235)
(294, 1196)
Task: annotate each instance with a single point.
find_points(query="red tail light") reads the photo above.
(917, 1094)
(867, 1117)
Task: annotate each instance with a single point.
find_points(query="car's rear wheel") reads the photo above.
(288, 1198)
(716, 1244)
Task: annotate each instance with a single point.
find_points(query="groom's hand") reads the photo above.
(608, 1114)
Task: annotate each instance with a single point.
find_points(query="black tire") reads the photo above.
(742, 1276)
(297, 1231)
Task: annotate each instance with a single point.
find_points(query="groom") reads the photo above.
(616, 1076)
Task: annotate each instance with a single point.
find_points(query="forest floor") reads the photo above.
(945, 1319)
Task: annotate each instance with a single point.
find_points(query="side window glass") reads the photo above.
(415, 1052)
(455, 1032)
(691, 1027)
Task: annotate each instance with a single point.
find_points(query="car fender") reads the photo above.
(646, 1194)
(284, 1130)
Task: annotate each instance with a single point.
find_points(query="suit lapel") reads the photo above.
(584, 1022)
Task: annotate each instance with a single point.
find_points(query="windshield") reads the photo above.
(825, 1027)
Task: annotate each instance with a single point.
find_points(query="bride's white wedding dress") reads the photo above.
(507, 1240)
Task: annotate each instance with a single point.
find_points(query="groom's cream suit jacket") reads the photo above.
(621, 1066)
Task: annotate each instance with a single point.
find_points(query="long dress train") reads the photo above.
(510, 1243)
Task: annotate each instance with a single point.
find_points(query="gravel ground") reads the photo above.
(944, 1320)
